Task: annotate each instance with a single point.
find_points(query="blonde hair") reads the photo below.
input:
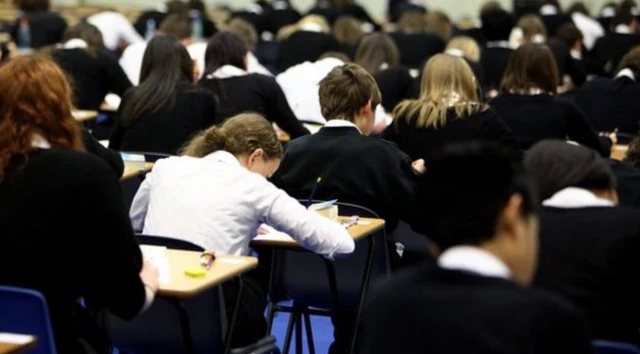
(467, 45)
(246, 31)
(533, 29)
(348, 30)
(447, 83)
(309, 20)
(412, 22)
(438, 23)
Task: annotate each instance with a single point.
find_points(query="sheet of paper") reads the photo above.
(15, 338)
(157, 256)
(272, 235)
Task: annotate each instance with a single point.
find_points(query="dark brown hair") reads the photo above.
(375, 50)
(345, 90)
(569, 34)
(531, 66)
(176, 25)
(88, 33)
(245, 30)
(631, 61)
(348, 30)
(32, 5)
(412, 22)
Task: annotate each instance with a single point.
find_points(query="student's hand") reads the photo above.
(419, 166)
(612, 136)
(150, 276)
(262, 230)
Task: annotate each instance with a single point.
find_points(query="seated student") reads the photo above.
(348, 32)
(448, 110)
(92, 71)
(529, 106)
(622, 37)
(239, 91)
(378, 54)
(351, 8)
(46, 178)
(37, 26)
(281, 14)
(588, 245)
(612, 104)
(627, 175)
(167, 109)
(245, 31)
(217, 195)
(198, 11)
(438, 23)
(468, 49)
(476, 202)
(149, 21)
(416, 45)
(496, 27)
(553, 17)
(117, 31)
(588, 26)
(324, 9)
(304, 41)
(573, 38)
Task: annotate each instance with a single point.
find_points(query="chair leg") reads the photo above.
(307, 326)
(271, 313)
(288, 335)
(298, 331)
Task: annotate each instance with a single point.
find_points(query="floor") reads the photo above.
(322, 333)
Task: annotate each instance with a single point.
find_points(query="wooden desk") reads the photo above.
(183, 286)
(619, 152)
(105, 107)
(84, 116)
(16, 343)
(132, 171)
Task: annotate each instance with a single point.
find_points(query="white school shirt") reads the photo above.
(474, 260)
(217, 204)
(572, 197)
(131, 61)
(114, 27)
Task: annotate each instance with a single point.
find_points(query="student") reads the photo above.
(612, 104)
(198, 14)
(553, 17)
(37, 25)
(149, 21)
(589, 27)
(476, 202)
(415, 45)
(447, 111)
(45, 179)
(588, 245)
(351, 8)
(304, 41)
(468, 49)
(610, 49)
(166, 109)
(348, 32)
(91, 70)
(117, 31)
(531, 109)
(378, 54)
(282, 14)
(496, 27)
(216, 196)
(239, 91)
(439, 24)
(248, 34)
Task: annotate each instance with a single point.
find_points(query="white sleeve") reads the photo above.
(138, 211)
(128, 32)
(310, 230)
(131, 65)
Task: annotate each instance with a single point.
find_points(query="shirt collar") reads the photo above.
(572, 197)
(341, 123)
(75, 43)
(38, 141)
(224, 157)
(623, 29)
(548, 10)
(227, 71)
(474, 260)
(626, 73)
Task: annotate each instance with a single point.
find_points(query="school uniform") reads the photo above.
(92, 74)
(554, 22)
(612, 104)
(494, 59)
(566, 64)
(65, 233)
(279, 18)
(588, 254)
(396, 84)
(115, 29)
(304, 46)
(610, 49)
(329, 14)
(426, 143)
(360, 13)
(141, 24)
(416, 48)
(111, 157)
(240, 92)
(536, 117)
(467, 304)
(45, 28)
(167, 129)
(628, 178)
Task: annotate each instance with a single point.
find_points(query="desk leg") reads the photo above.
(232, 323)
(186, 327)
(363, 291)
(333, 284)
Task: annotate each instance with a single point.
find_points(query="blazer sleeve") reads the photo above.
(496, 130)
(582, 132)
(118, 130)
(278, 109)
(563, 330)
(111, 157)
(115, 77)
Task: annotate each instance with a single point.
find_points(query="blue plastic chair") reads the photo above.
(607, 347)
(24, 311)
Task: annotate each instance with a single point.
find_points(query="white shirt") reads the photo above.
(114, 28)
(572, 197)
(217, 204)
(626, 73)
(591, 29)
(340, 123)
(474, 260)
(131, 61)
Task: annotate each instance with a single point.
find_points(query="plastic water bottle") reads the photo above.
(24, 34)
(151, 29)
(196, 25)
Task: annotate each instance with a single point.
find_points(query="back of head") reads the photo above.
(448, 83)
(345, 90)
(632, 157)
(438, 23)
(176, 25)
(631, 61)
(531, 67)
(555, 165)
(197, 5)
(623, 17)
(579, 7)
(166, 65)
(35, 99)
(86, 32)
(533, 29)
(569, 34)
(377, 51)
(33, 5)
(496, 24)
(412, 21)
(348, 30)
(245, 30)
(177, 7)
(464, 46)
(314, 23)
(225, 48)
(239, 135)
(336, 55)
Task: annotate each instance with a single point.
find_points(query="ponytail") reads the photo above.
(205, 143)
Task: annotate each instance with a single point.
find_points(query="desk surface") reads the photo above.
(619, 152)
(181, 285)
(83, 116)
(364, 228)
(130, 170)
(16, 343)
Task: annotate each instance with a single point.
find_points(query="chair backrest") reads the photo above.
(607, 347)
(24, 311)
(309, 284)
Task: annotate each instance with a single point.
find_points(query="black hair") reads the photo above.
(497, 24)
(464, 191)
(224, 48)
(555, 165)
(166, 65)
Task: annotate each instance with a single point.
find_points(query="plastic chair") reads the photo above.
(310, 286)
(24, 311)
(607, 347)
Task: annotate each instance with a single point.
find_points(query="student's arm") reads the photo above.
(118, 130)
(580, 131)
(140, 204)
(210, 108)
(111, 157)
(115, 78)
(278, 109)
(496, 130)
(311, 230)
(562, 330)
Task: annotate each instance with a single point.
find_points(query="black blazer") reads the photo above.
(396, 85)
(538, 117)
(417, 48)
(437, 311)
(628, 178)
(304, 46)
(111, 157)
(590, 256)
(425, 143)
(610, 49)
(354, 169)
(494, 63)
(141, 23)
(46, 27)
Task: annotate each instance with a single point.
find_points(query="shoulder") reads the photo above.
(198, 92)
(568, 105)
(72, 163)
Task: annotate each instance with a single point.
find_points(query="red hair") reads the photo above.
(35, 98)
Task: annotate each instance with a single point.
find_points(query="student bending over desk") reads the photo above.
(216, 196)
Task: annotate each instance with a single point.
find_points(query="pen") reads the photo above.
(313, 191)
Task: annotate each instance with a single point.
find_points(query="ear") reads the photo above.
(256, 154)
(511, 215)
(367, 110)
